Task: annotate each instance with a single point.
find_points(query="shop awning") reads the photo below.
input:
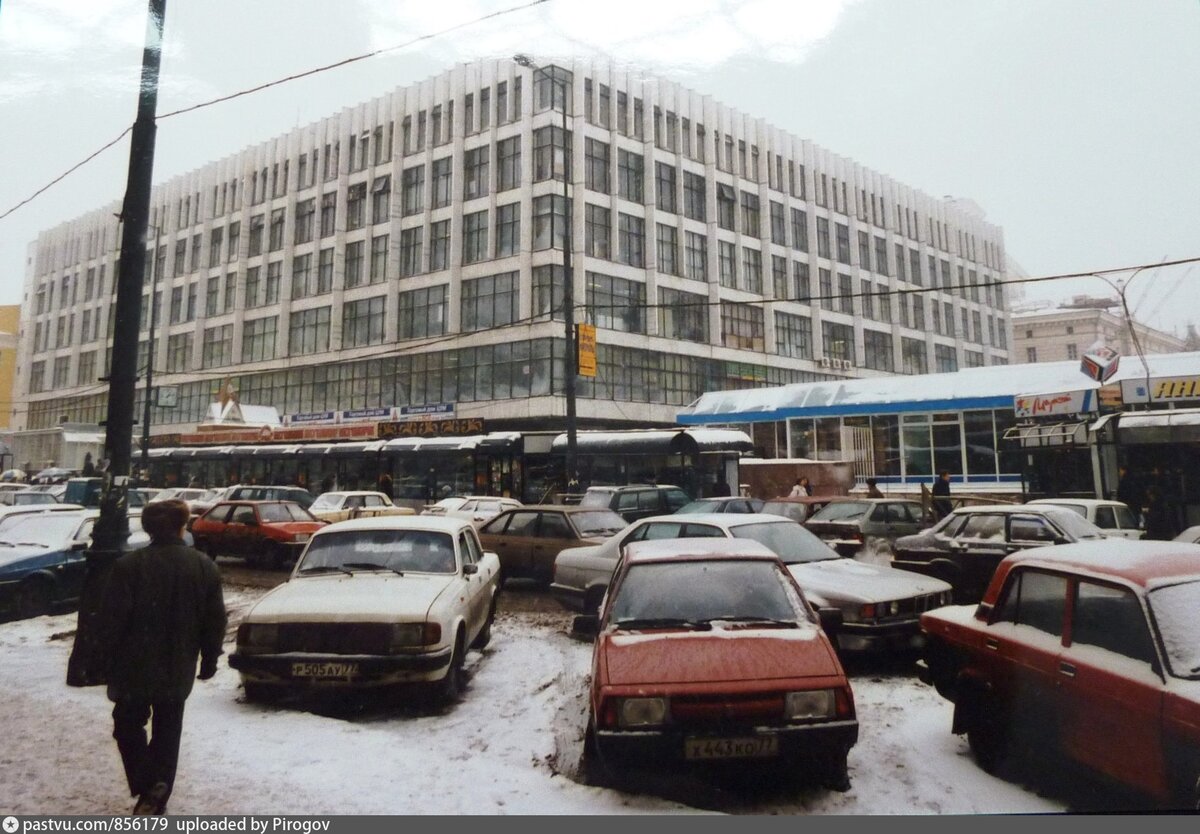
(499, 440)
(355, 448)
(1049, 434)
(658, 442)
(1178, 426)
(433, 444)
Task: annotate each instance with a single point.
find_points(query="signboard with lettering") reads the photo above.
(1161, 389)
(430, 410)
(1047, 405)
(587, 349)
(366, 414)
(430, 428)
(281, 434)
(1100, 364)
(311, 417)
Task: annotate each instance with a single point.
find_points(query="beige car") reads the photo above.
(342, 506)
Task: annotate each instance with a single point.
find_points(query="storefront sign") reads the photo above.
(1161, 389)
(587, 350)
(423, 412)
(311, 417)
(429, 428)
(1100, 364)
(280, 434)
(366, 414)
(1047, 405)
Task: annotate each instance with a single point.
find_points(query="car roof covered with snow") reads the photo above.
(659, 550)
(1079, 502)
(1145, 563)
(433, 523)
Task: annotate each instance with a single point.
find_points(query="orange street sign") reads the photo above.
(587, 349)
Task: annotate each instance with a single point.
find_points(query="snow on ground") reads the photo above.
(511, 747)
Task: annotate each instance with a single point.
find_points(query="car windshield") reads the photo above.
(418, 551)
(327, 501)
(699, 592)
(699, 507)
(284, 511)
(1075, 525)
(27, 498)
(787, 539)
(45, 529)
(1075, 508)
(598, 523)
(841, 511)
(596, 499)
(1175, 608)
(787, 509)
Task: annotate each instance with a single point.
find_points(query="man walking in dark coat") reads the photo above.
(163, 610)
(942, 506)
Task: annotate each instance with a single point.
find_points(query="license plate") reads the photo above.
(730, 748)
(324, 670)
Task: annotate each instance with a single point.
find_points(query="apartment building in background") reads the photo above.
(1068, 330)
(408, 252)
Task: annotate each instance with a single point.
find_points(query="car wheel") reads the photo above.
(450, 687)
(277, 556)
(987, 735)
(837, 774)
(485, 634)
(33, 598)
(592, 767)
(260, 693)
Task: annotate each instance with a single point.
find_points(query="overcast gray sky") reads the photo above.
(1072, 123)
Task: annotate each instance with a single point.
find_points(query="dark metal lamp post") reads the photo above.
(570, 357)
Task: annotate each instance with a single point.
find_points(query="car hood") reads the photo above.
(722, 654)
(851, 580)
(13, 557)
(365, 596)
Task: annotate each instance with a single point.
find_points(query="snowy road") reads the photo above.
(512, 746)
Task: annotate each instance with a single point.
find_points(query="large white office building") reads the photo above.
(408, 251)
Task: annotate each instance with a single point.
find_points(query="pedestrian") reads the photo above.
(942, 506)
(163, 609)
(1159, 517)
(385, 484)
(1129, 489)
(802, 488)
(721, 487)
(873, 489)
(89, 468)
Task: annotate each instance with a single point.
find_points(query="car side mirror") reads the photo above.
(586, 625)
(470, 569)
(831, 620)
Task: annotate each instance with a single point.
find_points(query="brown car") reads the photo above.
(797, 509)
(528, 539)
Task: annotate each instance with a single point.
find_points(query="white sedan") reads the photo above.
(373, 602)
(343, 506)
(476, 508)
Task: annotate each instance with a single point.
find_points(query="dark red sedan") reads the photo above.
(264, 533)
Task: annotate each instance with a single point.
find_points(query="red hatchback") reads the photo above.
(1092, 649)
(707, 653)
(264, 533)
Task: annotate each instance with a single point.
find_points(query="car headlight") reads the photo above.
(412, 635)
(257, 636)
(809, 704)
(301, 537)
(641, 712)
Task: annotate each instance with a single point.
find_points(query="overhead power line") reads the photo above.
(259, 88)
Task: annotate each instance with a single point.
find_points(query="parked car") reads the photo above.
(7, 490)
(1113, 517)
(476, 508)
(847, 524)
(55, 490)
(727, 504)
(707, 653)
(54, 475)
(42, 561)
(965, 546)
(86, 493)
(256, 492)
(528, 539)
(636, 501)
(879, 605)
(1191, 535)
(1089, 649)
(796, 508)
(184, 494)
(372, 602)
(342, 506)
(30, 498)
(205, 502)
(264, 533)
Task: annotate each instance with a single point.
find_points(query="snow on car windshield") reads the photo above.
(1174, 608)
(48, 529)
(703, 591)
(789, 541)
(841, 511)
(283, 512)
(1074, 525)
(598, 523)
(327, 501)
(420, 551)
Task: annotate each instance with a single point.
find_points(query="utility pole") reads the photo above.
(86, 664)
(571, 355)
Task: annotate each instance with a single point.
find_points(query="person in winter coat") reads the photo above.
(1160, 517)
(873, 490)
(163, 609)
(942, 506)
